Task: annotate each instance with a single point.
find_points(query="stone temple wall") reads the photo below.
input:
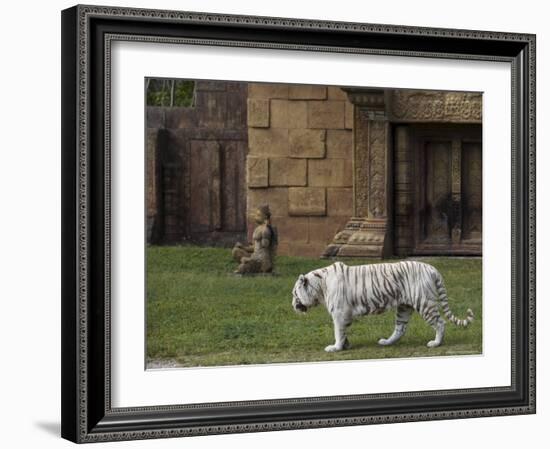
(196, 187)
(300, 162)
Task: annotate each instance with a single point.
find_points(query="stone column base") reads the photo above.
(362, 237)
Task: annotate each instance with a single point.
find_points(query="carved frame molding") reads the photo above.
(87, 415)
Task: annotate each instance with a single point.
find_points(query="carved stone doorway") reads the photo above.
(417, 174)
(438, 190)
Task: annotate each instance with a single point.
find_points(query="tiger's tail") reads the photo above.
(442, 292)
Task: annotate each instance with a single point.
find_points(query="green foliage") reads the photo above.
(199, 314)
(170, 92)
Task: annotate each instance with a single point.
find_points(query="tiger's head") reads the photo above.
(307, 292)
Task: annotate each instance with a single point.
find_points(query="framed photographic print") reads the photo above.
(277, 224)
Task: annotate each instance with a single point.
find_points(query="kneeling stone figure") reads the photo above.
(348, 292)
(258, 257)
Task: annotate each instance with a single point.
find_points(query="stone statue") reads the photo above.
(258, 256)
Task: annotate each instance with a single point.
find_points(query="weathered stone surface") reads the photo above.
(330, 173)
(232, 187)
(288, 114)
(287, 172)
(340, 201)
(323, 229)
(307, 92)
(267, 90)
(292, 229)
(339, 144)
(258, 113)
(155, 117)
(327, 114)
(297, 114)
(210, 86)
(336, 93)
(204, 191)
(276, 197)
(236, 110)
(152, 172)
(268, 142)
(348, 115)
(180, 118)
(237, 86)
(312, 249)
(257, 172)
(224, 135)
(212, 109)
(278, 113)
(283, 248)
(308, 143)
(307, 201)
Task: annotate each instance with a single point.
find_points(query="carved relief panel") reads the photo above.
(432, 106)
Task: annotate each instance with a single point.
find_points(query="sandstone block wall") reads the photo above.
(300, 162)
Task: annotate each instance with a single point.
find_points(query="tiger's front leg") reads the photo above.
(340, 340)
(401, 320)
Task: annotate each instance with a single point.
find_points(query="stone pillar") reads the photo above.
(368, 232)
(404, 191)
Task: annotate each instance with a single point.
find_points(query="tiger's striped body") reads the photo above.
(351, 291)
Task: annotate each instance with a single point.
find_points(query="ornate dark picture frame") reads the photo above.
(87, 33)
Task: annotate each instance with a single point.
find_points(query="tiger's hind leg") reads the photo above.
(430, 313)
(439, 327)
(401, 320)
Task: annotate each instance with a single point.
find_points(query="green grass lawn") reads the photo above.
(199, 314)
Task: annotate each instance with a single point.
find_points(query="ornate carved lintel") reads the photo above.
(433, 106)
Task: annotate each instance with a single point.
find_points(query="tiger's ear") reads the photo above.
(303, 280)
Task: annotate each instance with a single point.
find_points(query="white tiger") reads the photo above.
(348, 292)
